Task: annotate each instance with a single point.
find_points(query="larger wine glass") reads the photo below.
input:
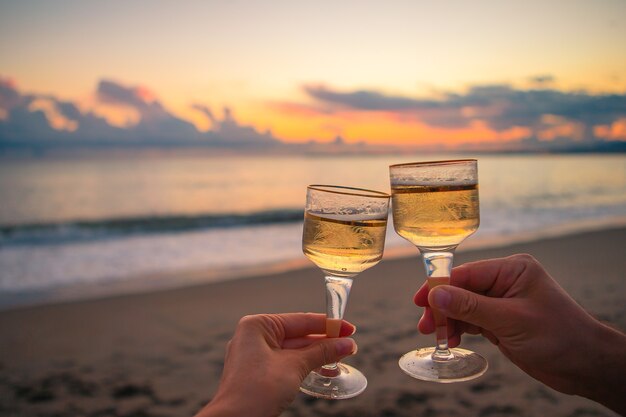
(435, 207)
(344, 234)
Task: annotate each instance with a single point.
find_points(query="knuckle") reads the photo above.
(525, 259)
(254, 320)
(246, 321)
(523, 262)
(276, 325)
(268, 323)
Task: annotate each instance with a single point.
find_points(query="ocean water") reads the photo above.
(68, 222)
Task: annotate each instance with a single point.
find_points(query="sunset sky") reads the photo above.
(398, 72)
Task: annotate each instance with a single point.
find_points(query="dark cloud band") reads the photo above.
(501, 107)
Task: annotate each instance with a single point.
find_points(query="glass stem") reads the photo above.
(337, 293)
(438, 268)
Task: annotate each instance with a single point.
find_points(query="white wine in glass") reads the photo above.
(341, 245)
(435, 207)
(344, 234)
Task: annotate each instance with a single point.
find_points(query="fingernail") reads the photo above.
(345, 347)
(441, 298)
(347, 329)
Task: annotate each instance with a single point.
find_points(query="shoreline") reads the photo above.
(167, 281)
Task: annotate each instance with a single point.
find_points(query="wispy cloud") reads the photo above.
(155, 122)
(44, 119)
(228, 129)
(206, 111)
(544, 79)
(367, 99)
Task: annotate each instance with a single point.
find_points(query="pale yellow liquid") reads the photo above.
(435, 217)
(333, 327)
(343, 247)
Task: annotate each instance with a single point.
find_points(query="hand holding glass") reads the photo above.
(435, 207)
(344, 234)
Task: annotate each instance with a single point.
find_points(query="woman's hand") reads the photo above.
(267, 359)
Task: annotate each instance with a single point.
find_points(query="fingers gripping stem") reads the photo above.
(337, 293)
(438, 268)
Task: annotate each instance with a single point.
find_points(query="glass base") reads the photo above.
(339, 383)
(463, 365)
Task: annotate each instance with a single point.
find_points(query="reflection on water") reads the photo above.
(58, 190)
(141, 215)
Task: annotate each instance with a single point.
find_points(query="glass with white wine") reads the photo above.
(435, 207)
(344, 234)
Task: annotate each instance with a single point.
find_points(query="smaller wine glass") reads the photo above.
(344, 234)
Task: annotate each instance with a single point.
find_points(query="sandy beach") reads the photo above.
(160, 354)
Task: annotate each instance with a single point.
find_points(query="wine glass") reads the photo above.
(435, 207)
(344, 234)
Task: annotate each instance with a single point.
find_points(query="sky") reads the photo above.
(398, 72)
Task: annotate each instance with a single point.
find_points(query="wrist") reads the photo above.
(605, 365)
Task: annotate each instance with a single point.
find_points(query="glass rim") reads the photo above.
(341, 189)
(427, 163)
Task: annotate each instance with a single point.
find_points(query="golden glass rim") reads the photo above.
(342, 189)
(426, 163)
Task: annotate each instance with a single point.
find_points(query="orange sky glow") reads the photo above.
(387, 75)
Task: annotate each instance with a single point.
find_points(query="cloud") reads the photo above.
(205, 110)
(367, 99)
(500, 106)
(527, 108)
(9, 96)
(112, 92)
(55, 116)
(433, 112)
(614, 131)
(43, 119)
(230, 131)
(155, 122)
(541, 79)
(19, 119)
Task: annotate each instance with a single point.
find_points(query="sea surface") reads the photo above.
(130, 222)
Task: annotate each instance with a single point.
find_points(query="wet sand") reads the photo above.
(160, 354)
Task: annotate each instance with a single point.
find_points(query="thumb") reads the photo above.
(459, 304)
(328, 351)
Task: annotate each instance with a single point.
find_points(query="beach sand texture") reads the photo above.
(160, 354)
